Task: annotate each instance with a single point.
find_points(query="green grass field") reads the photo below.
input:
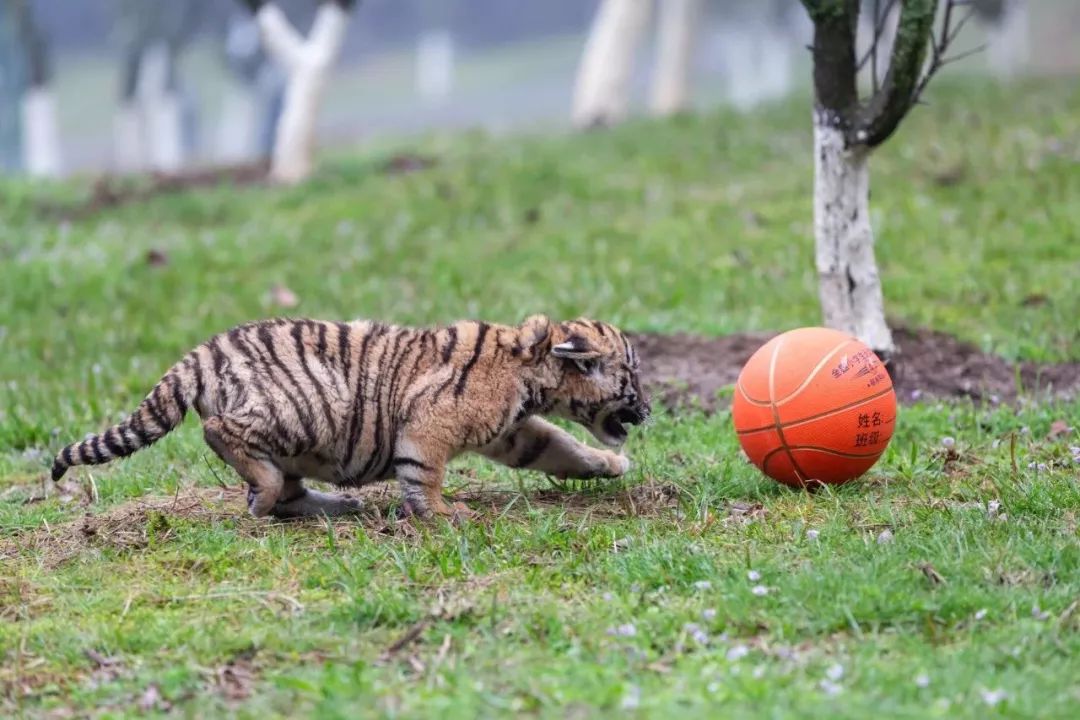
(944, 584)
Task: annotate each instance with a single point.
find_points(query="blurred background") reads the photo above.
(113, 68)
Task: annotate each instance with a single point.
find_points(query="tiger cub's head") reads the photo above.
(594, 368)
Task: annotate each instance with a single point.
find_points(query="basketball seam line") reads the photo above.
(819, 416)
(799, 474)
(791, 395)
(816, 448)
(813, 373)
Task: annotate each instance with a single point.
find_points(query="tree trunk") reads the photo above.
(601, 95)
(307, 63)
(40, 129)
(41, 133)
(435, 64)
(849, 285)
(159, 99)
(1008, 47)
(674, 55)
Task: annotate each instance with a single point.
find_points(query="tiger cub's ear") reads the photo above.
(576, 347)
(534, 338)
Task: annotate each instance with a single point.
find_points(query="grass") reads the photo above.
(576, 603)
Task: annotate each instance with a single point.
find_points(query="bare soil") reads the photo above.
(687, 369)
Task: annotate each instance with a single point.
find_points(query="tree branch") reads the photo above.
(879, 30)
(282, 41)
(940, 46)
(881, 115)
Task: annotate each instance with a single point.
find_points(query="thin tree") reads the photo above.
(41, 131)
(306, 62)
(847, 127)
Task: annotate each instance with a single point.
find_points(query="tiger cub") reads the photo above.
(359, 402)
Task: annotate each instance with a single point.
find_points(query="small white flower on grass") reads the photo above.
(1041, 467)
(702, 585)
(708, 614)
(922, 680)
(830, 688)
(753, 576)
(608, 597)
(980, 614)
(760, 590)
(993, 697)
(1025, 430)
(996, 444)
(885, 537)
(1038, 613)
(812, 535)
(631, 698)
(948, 442)
(835, 672)
(713, 687)
(992, 509)
(759, 672)
(697, 633)
(737, 652)
(624, 630)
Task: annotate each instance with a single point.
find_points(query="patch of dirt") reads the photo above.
(112, 192)
(404, 163)
(691, 370)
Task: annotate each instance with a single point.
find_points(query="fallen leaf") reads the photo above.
(1057, 429)
(1034, 300)
(156, 258)
(407, 163)
(932, 575)
(100, 660)
(151, 699)
(234, 680)
(410, 636)
(283, 297)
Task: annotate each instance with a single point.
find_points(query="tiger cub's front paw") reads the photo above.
(616, 464)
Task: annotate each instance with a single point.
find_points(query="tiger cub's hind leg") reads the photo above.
(265, 479)
(297, 501)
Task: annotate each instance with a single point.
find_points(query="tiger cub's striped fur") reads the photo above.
(353, 403)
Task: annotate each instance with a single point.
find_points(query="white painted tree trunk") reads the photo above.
(161, 110)
(1008, 45)
(41, 133)
(602, 90)
(678, 27)
(435, 64)
(307, 64)
(849, 284)
(128, 145)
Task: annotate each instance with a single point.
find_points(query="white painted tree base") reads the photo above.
(166, 130)
(602, 89)
(849, 284)
(435, 65)
(307, 64)
(161, 111)
(41, 134)
(1008, 47)
(678, 25)
(128, 147)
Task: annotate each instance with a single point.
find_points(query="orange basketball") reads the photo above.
(812, 406)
